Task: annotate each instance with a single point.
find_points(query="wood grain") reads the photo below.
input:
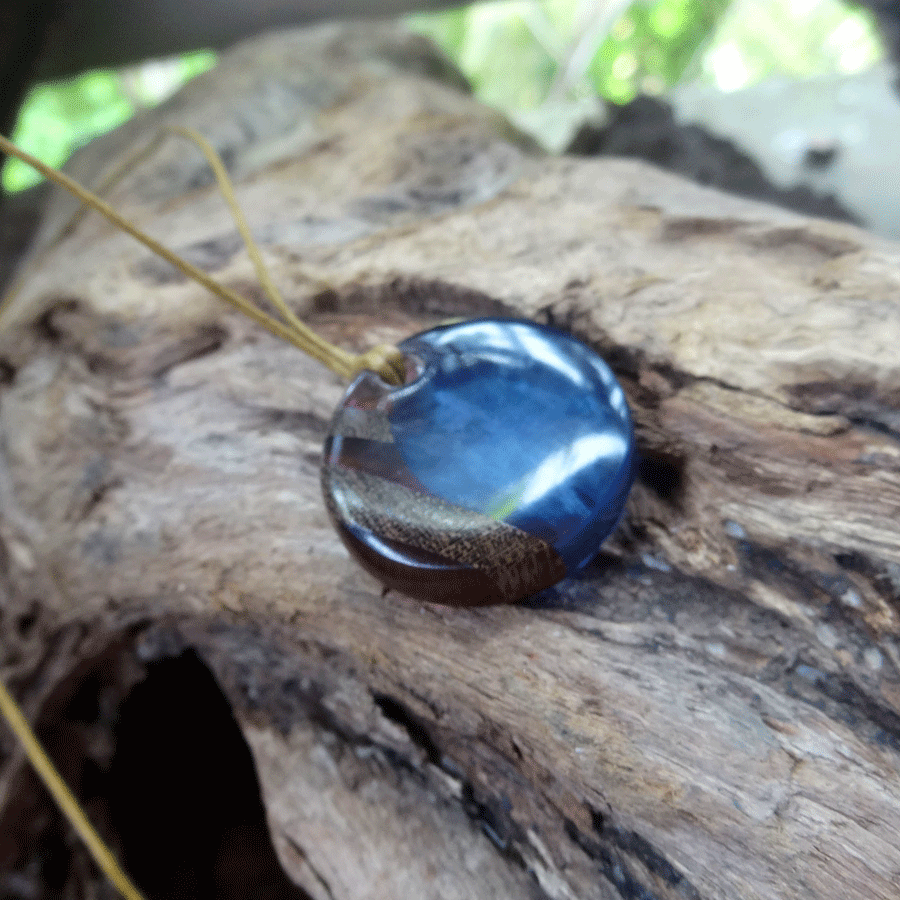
(710, 710)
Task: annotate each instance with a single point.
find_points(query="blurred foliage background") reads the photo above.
(59, 116)
(543, 62)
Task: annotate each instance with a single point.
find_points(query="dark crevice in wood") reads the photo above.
(831, 589)
(879, 425)
(204, 341)
(326, 302)
(610, 851)
(401, 715)
(844, 701)
(7, 373)
(866, 405)
(71, 695)
(303, 696)
(774, 567)
(641, 849)
(321, 881)
(108, 345)
(292, 421)
(884, 577)
(418, 296)
(47, 325)
(663, 473)
(792, 670)
(854, 561)
(492, 816)
(164, 794)
(4, 555)
(25, 621)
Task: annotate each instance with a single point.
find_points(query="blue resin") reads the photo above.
(522, 423)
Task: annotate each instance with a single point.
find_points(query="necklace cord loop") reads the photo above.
(385, 360)
(291, 330)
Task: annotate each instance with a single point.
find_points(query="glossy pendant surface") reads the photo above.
(499, 467)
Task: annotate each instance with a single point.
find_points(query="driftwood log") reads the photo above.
(711, 710)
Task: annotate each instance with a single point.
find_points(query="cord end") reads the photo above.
(386, 361)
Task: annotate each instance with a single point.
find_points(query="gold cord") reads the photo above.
(64, 798)
(387, 361)
(292, 330)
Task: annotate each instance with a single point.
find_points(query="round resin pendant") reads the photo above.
(499, 467)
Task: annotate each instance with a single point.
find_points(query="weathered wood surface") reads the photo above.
(710, 711)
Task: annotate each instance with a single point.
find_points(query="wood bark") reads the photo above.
(711, 710)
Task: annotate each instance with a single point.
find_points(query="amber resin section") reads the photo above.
(419, 544)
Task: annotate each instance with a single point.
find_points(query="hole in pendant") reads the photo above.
(414, 369)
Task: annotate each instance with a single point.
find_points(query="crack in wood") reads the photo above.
(826, 585)
(611, 850)
(398, 712)
(302, 855)
(866, 404)
(293, 421)
(412, 294)
(843, 700)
